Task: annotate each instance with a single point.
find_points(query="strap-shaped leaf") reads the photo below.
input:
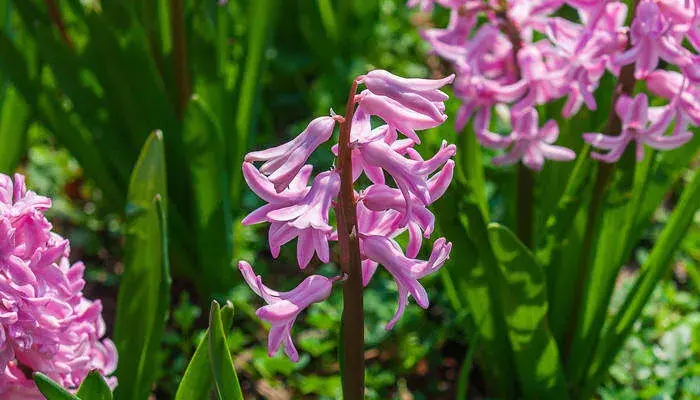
(525, 301)
(222, 368)
(196, 384)
(657, 265)
(94, 387)
(476, 278)
(50, 389)
(144, 290)
(14, 121)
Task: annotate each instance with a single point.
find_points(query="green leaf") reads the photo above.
(222, 368)
(525, 300)
(261, 16)
(50, 389)
(196, 384)
(470, 170)
(14, 120)
(144, 291)
(206, 158)
(476, 277)
(94, 387)
(657, 266)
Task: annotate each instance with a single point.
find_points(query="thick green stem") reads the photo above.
(525, 205)
(625, 86)
(353, 360)
(525, 197)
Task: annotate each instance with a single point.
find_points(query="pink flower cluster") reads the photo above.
(521, 53)
(295, 209)
(46, 325)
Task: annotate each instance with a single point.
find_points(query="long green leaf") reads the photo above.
(657, 265)
(94, 387)
(196, 384)
(50, 389)
(475, 275)
(261, 17)
(525, 300)
(144, 290)
(222, 368)
(212, 215)
(14, 121)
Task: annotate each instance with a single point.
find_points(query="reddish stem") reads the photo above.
(353, 361)
(55, 15)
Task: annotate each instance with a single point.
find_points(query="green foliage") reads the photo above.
(197, 381)
(221, 80)
(94, 387)
(144, 293)
(50, 389)
(223, 371)
(525, 302)
(112, 74)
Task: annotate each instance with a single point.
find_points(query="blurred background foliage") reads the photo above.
(83, 83)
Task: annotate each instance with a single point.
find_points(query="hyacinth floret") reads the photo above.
(46, 325)
(402, 185)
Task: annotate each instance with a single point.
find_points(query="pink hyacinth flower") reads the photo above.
(410, 175)
(406, 271)
(635, 116)
(544, 84)
(398, 115)
(265, 189)
(46, 325)
(414, 93)
(652, 38)
(480, 94)
(283, 308)
(306, 219)
(684, 94)
(282, 163)
(532, 144)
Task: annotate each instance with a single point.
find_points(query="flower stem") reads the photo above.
(353, 356)
(525, 197)
(604, 173)
(55, 15)
(525, 205)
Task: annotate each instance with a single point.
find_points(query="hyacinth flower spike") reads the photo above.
(282, 163)
(401, 179)
(46, 325)
(635, 116)
(283, 308)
